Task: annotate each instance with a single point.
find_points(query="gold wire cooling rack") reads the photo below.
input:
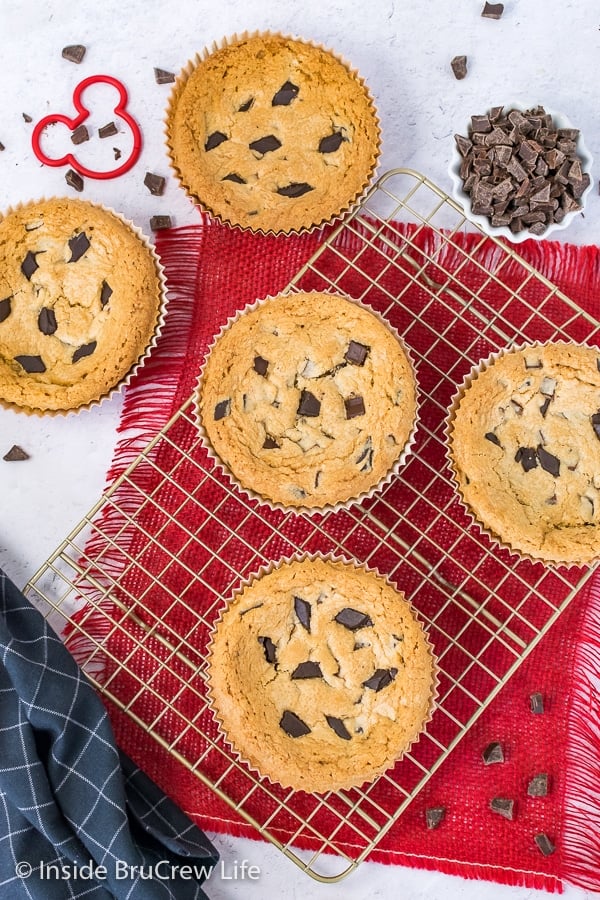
(140, 579)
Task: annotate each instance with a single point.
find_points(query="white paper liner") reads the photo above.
(160, 317)
(293, 507)
(335, 558)
(177, 90)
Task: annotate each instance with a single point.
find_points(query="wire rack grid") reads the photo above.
(138, 582)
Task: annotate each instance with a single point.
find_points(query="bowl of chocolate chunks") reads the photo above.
(520, 172)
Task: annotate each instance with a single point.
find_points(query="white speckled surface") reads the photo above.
(537, 53)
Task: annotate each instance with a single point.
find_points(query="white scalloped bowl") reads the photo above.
(464, 199)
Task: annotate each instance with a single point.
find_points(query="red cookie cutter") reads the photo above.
(82, 115)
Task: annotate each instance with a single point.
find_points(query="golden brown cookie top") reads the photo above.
(80, 296)
(308, 399)
(525, 450)
(320, 674)
(272, 133)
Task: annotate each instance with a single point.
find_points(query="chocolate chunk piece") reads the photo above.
(266, 144)
(527, 456)
(352, 619)
(27, 118)
(331, 142)
(260, 365)
(2, 147)
(492, 10)
(302, 608)
(214, 140)
(222, 409)
(308, 669)
(490, 436)
(380, 679)
(31, 364)
(233, 176)
(84, 350)
(78, 245)
(74, 53)
(286, 93)
(293, 725)
(538, 786)
(548, 461)
(354, 406)
(595, 420)
(493, 753)
(544, 844)
(544, 406)
(246, 105)
(162, 76)
(458, 65)
(269, 649)
(338, 726)
(5, 308)
(309, 405)
(160, 223)
(108, 130)
(80, 135)
(270, 443)
(74, 180)
(536, 703)
(296, 189)
(155, 184)
(47, 320)
(504, 807)
(29, 265)
(105, 293)
(15, 454)
(357, 353)
(434, 816)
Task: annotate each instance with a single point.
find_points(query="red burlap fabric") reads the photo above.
(211, 271)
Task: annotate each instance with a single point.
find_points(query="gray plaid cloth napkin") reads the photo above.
(77, 818)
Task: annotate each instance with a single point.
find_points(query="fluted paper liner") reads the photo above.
(297, 506)
(514, 542)
(226, 212)
(159, 301)
(324, 783)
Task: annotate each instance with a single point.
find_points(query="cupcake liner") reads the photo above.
(299, 508)
(160, 304)
(519, 545)
(228, 217)
(253, 760)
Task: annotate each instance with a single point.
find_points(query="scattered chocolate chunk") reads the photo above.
(31, 364)
(309, 405)
(270, 443)
(380, 679)
(269, 649)
(595, 420)
(338, 726)
(459, 67)
(74, 53)
(331, 142)
(161, 76)
(260, 365)
(493, 753)
(5, 308)
(434, 816)
(108, 130)
(27, 118)
(302, 608)
(160, 223)
(116, 153)
(296, 189)
(492, 10)
(544, 844)
(78, 245)
(15, 454)
(354, 406)
(155, 184)
(308, 669)
(47, 321)
(504, 807)
(548, 461)
(266, 144)
(74, 179)
(357, 353)
(105, 293)
(80, 135)
(2, 147)
(544, 406)
(222, 409)
(366, 456)
(293, 725)
(233, 176)
(536, 703)
(29, 265)
(84, 350)
(352, 619)
(286, 93)
(246, 105)
(493, 438)
(214, 140)
(527, 456)
(538, 786)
